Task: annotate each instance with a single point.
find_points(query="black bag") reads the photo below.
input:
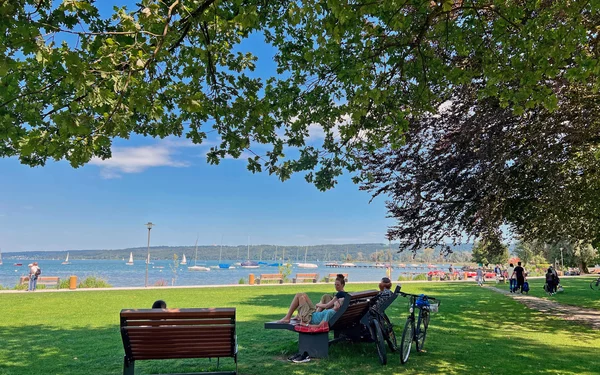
(38, 272)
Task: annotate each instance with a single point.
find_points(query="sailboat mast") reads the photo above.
(305, 251)
(196, 257)
(248, 245)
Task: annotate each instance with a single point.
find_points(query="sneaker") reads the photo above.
(295, 356)
(302, 359)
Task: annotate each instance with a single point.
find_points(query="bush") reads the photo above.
(64, 284)
(21, 287)
(420, 277)
(404, 278)
(160, 282)
(94, 282)
(242, 281)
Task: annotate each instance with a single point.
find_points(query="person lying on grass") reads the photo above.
(316, 315)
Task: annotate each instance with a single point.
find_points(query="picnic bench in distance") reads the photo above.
(345, 325)
(270, 277)
(178, 333)
(332, 276)
(306, 276)
(42, 280)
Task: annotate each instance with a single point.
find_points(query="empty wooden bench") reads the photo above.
(178, 333)
(42, 280)
(332, 276)
(345, 324)
(306, 276)
(270, 277)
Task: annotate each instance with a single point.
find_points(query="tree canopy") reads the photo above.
(72, 79)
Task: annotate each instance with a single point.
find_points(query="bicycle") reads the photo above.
(595, 285)
(416, 333)
(381, 329)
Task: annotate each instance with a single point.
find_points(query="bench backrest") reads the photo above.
(352, 310)
(334, 275)
(307, 275)
(271, 276)
(178, 333)
(41, 279)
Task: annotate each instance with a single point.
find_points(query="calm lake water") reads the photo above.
(118, 274)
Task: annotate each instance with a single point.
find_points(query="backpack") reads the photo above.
(38, 272)
(525, 287)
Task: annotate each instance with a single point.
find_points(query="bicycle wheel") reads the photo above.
(595, 285)
(378, 336)
(407, 339)
(422, 325)
(388, 333)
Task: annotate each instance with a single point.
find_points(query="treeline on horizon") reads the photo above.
(334, 253)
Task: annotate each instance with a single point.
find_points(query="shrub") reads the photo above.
(64, 284)
(420, 276)
(242, 281)
(404, 278)
(160, 282)
(94, 282)
(21, 287)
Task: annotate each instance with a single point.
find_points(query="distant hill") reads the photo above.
(354, 252)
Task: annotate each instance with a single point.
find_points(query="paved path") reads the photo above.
(583, 315)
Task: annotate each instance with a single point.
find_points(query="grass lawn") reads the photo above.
(477, 331)
(577, 291)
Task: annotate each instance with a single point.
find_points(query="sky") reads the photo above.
(105, 204)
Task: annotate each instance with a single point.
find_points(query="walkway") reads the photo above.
(583, 315)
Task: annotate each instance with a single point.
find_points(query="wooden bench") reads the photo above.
(306, 276)
(42, 280)
(178, 333)
(332, 276)
(345, 324)
(270, 277)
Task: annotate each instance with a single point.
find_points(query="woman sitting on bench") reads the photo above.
(319, 314)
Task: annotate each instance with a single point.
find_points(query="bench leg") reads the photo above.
(294, 280)
(128, 367)
(317, 345)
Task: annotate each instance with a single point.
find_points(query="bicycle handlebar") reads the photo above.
(417, 296)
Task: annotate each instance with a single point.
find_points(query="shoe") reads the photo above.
(302, 359)
(295, 356)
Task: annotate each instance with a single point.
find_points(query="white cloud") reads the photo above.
(136, 160)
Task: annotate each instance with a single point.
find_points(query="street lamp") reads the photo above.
(149, 225)
(562, 263)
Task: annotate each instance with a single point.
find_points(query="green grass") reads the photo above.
(577, 291)
(477, 331)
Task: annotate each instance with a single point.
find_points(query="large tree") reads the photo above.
(475, 166)
(72, 79)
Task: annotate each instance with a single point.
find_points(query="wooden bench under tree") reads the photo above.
(270, 277)
(345, 325)
(42, 280)
(178, 333)
(306, 276)
(332, 276)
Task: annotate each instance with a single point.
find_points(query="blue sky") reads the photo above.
(105, 204)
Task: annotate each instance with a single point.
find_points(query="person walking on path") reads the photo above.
(519, 272)
(479, 276)
(33, 276)
(451, 271)
(512, 281)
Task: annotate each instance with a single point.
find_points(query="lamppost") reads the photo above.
(149, 225)
(562, 263)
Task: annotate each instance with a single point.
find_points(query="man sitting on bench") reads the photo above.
(315, 317)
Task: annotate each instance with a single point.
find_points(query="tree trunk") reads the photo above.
(583, 267)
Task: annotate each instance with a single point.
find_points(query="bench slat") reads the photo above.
(141, 314)
(176, 322)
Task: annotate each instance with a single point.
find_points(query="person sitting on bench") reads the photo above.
(159, 304)
(317, 315)
(327, 300)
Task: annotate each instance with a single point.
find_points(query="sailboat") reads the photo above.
(195, 267)
(130, 263)
(66, 260)
(148, 260)
(184, 261)
(0, 257)
(223, 266)
(276, 264)
(306, 265)
(249, 263)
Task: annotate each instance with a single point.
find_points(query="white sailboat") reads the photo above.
(130, 263)
(66, 260)
(306, 265)
(184, 261)
(195, 267)
(249, 263)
